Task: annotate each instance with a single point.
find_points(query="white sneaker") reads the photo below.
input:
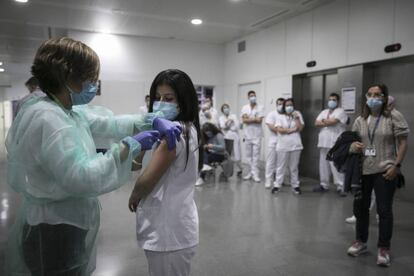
(383, 257)
(357, 248)
(268, 183)
(199, 182)
(351, 220)
(256, 179)
(247, 177)
(206, 168)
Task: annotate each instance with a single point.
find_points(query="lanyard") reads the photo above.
(371, 135)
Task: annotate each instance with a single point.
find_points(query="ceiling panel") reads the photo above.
(23, 26)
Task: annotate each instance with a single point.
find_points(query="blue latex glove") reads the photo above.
(147, 139)
(170, 130)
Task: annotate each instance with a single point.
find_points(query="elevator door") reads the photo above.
(398, 76)
(310, 94)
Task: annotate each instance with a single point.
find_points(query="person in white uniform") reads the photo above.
(289, 146)
(163, 196)
(143, 109)
(271, 147)
(208, 113)
(252, 117)
(332, 122)
(229, 125)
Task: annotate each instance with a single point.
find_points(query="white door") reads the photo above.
(243, 100)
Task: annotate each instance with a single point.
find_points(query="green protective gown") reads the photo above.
(53, 164)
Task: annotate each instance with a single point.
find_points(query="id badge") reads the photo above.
(370, 151)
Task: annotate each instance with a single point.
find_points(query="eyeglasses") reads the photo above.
(374, 95)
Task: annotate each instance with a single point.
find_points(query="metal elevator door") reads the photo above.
(310, 93)
(398, 76)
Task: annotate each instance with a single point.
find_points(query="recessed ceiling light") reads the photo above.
(196, 21)
(1, 63)
(22, 1)
(2, 70)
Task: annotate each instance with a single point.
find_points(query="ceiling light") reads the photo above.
(1, 63)
(1, 70)
(196, 21)
(21, 1)
(106, 31)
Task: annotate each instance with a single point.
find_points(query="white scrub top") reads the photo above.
(231, 133)
(214, 117)
(167, 218)
(252, 131)
(329, 134)
(271, 119)
(292, 141)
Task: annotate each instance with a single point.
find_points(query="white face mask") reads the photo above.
(289, 109)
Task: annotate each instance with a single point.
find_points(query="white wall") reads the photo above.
(129, 65)
(341, 33)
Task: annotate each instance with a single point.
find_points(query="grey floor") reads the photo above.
(244, 230)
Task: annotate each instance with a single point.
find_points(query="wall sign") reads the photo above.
(348, 99)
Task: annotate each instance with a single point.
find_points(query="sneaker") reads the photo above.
(239, 173)
(383, 257)
(357, 248)
(256, 179)
(342, 193)
(275, 190)
(297, 191)
(320, 189)
(351, 220)
(206, 168)
(247, 177)
(199, 182)
(268, 184)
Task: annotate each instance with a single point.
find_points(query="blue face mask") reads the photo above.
(289, 109)
(170, 110)
(252, 100)
(209, 134)
(332, 104)
(226, 111)
(374, 104)
(86, 95)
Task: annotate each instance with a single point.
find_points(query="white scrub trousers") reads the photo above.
(287, 160)
(270, 160)
(253, 155)
(326, 168)
(170, 263)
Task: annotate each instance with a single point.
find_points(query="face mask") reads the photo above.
(374, 104)
(206, 105)
(170, 110)
(252, 100)
(86, 95)
(279, 108)
(332, 104)
(226, 111)
(209, 134)
(289, 109)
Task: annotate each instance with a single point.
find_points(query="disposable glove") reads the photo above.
(170, 130)
(147, 139)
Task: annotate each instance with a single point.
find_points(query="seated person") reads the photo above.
(214, 148)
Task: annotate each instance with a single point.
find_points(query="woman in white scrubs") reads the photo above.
(289, 146)
(163, 196)
(229, 125)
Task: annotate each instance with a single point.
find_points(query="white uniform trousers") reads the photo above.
(270, 159)
(326, 168)
(253, 155)
(287, 160)
(170, 263)
(236, 156)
